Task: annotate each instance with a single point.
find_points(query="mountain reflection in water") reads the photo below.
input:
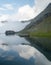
(18, 54)
(42, 44)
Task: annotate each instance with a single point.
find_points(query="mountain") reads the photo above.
(42, 22)
(40, 27)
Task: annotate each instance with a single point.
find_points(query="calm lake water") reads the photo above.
(15, 50)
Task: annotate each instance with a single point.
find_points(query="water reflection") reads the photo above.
(42, 44)
(21, 55)
(15, 50)
(12, 40)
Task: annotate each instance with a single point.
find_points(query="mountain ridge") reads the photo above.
(44, 14)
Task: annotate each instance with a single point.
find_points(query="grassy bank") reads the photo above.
(40, 34)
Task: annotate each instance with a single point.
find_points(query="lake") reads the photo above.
(15, 50)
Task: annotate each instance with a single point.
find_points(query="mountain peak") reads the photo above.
(49, 4)
(47, 9)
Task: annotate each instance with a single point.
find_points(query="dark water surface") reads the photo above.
(43, 44)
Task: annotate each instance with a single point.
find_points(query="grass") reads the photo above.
(40, 34)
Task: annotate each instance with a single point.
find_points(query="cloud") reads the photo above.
(2, 9)
(40, 5)
(4, 17)
(8, 6)
(26, 12)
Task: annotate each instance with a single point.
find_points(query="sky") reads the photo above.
(9, 6)
(13, 8)
(18, 10)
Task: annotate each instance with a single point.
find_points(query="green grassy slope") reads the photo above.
(43, 29)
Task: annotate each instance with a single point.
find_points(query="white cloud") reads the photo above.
(2, 9)
(26, 12)
(8, 6)
(40, 5)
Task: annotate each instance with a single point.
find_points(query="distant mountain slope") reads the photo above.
(41, 23)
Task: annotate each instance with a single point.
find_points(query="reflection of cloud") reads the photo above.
(4, 17)
(25, 53)
(1, 24)
(10, 58)
(5, 48)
